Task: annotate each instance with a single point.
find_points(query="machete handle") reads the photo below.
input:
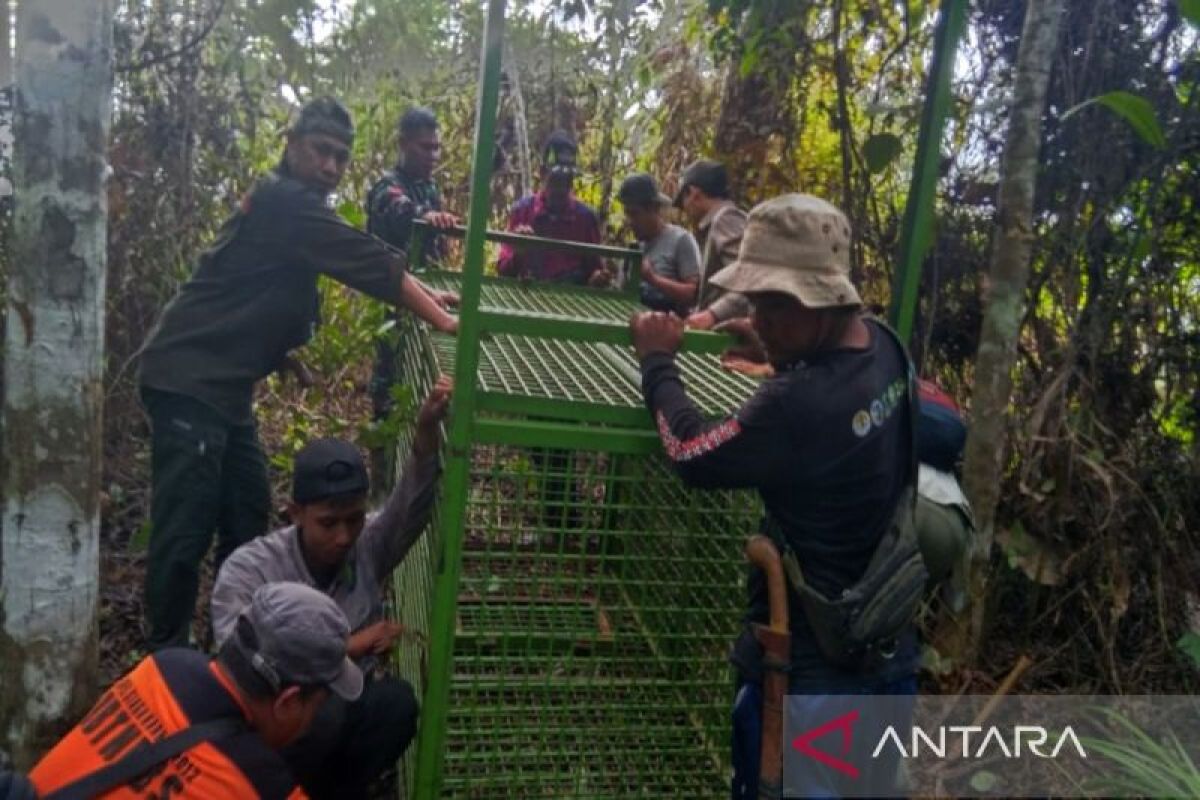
(762, 553)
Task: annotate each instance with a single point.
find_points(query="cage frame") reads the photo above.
(585, 425)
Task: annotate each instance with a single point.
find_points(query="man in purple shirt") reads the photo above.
(554, 213)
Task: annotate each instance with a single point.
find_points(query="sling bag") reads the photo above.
(860, 629)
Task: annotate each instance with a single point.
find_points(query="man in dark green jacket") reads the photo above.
(252, 298)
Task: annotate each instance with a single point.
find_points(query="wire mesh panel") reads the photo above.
(598, 597)
(533, 298)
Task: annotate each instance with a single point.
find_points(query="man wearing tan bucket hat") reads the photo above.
(827, 442)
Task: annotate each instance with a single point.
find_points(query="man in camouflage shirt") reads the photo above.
(406, 193)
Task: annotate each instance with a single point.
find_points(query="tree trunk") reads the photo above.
(754, 99)
(616, 25)
(6, 99)
(49, 548)
(1012, 246)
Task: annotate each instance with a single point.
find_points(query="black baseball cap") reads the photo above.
(640, 190)
(559, 154)
(710, 177)
(327, 468)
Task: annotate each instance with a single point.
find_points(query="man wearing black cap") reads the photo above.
(704, 197)
(286, 656)
(334, 546)
(252, 298)
(670, 256)
(554, 213)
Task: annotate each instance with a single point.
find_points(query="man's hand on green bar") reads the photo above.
(656, 332)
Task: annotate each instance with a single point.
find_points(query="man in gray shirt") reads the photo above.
(671, 257)
(704, 196)
(336, 547)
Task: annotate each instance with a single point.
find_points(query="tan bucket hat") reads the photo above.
(796, 244)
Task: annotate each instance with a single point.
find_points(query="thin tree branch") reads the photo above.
(121, 69)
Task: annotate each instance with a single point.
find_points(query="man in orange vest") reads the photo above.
(179, 725)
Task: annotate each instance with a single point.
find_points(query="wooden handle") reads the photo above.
(761, 552)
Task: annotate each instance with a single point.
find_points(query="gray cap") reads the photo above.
(299, 636)
(640, 191)
(710, 177)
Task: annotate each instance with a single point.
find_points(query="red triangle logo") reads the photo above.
(845, 724)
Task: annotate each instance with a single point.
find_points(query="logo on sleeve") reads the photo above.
(880, 409)
(877, 412)
(861, 423)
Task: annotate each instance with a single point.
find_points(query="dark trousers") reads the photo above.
(349, 745)
(206, 475)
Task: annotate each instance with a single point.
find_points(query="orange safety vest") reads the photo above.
(162, 695)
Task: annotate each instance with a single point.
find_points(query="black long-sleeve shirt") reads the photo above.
(253, 296)
(826, 445)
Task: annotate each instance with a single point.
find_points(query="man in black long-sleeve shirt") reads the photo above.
(252, 298)
(825, 441)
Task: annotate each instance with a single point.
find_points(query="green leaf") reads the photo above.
(934, 662)
(1138, 112)
(1189, 643)
(140, 540)
(352, 212)
(1191, 11)
(881, 150)
(749, 62)
(1143, 248)
(1040, 563)
(1134, 109)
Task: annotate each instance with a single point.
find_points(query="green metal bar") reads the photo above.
(552, 326)
(562, 436)
(455, 482)
(416, 249)
(594, 413)
(918, 212)
(523, 242)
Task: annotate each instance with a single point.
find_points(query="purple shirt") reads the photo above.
(577, 223)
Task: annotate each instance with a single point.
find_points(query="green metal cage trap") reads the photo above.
(596, 596)
(576, 601)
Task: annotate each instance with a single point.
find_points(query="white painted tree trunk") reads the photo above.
(6, 97)
(53, 361)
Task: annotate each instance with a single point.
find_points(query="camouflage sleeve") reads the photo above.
(391, 211)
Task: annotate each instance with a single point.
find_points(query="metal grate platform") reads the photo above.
(582, 372)
(504, 294)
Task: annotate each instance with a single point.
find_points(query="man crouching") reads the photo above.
(334, 546)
